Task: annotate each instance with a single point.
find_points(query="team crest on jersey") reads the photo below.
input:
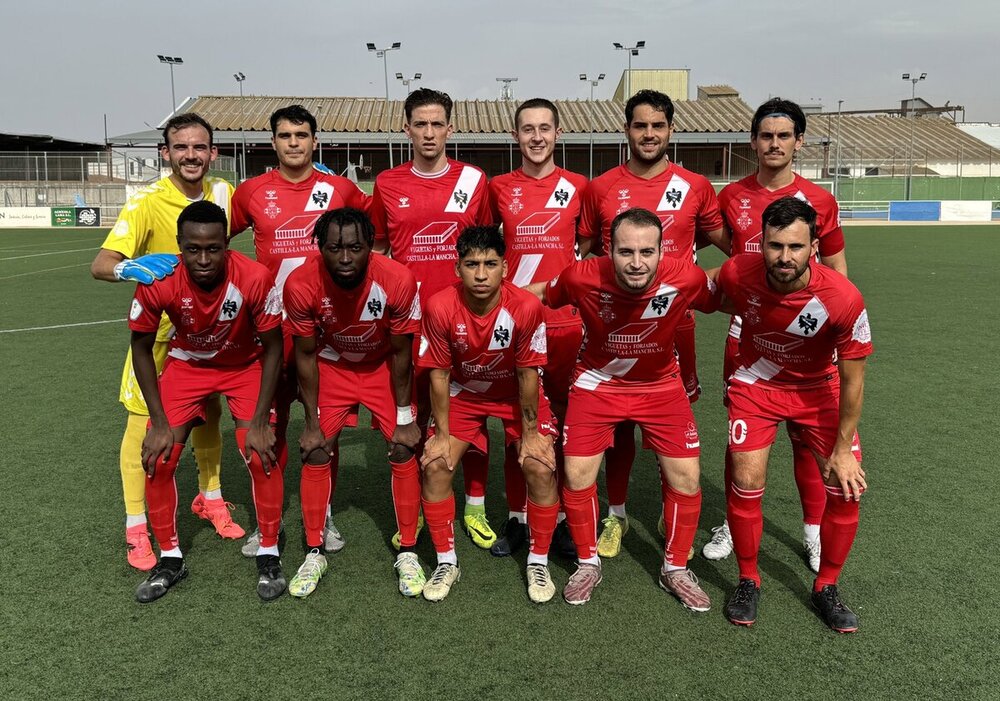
(320, 197)
(606, 312)
(562, 194)
(623, 200)
(515, 206)
(460, 198)
(468, 180)
(659, 305)
(862, 332)
(404, 202)
(231, 303)
(326, 314)
(503, 331)
(538, 343)
(675, 194)
(375, 304)
(272, 210)
(461, 338)
(809, 320)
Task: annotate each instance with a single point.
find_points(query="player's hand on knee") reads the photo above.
(312, 440)
(145, 269)
(406, 435)
(437, 448)
(537, 447)
(156, 448)
(260, 439)
(847, 471)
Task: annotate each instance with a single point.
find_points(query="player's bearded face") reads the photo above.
(635, 251)
(294, 144)
(203, 250)
(648, 134)
(776, 142)
(346, 255)
(189, 153)
(787, 253)
(536, 134)
(428, 129)
(482, 274)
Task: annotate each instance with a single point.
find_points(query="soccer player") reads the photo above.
(226, 314)
(687, 207)
(631, 305)
(484, 341)
(353, 315)
(538, 205)
(776, 134)
(419, 208)
(136, 250)
(282, 206)
(796, 313)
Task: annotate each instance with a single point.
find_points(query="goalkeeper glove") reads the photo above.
(146, 269)
(322, 168)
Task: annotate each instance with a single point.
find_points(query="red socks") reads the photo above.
(619, 459)
(680, 521)
(836, 536)
(406, 500)
(161, 498)
(746, 522)
(581, 516)
(541, 526)
(809, 480)
(517, 487)
(475, 469)
(268, 492)
(440, 517)
(315, 487)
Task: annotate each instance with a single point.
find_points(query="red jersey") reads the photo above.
(684, 201)
(743, 204)
(353, 326)
(483, 352)
(421, 216)
(790, 339)
(218, 327)
(628, 345)
(283, 215)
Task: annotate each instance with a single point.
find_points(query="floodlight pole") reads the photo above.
(630, 51)
(406, 81)
(593, 84)
(506, 90)
(171, 61)
(913, 122)
(836, 173)
(243, 134)
(381, 53)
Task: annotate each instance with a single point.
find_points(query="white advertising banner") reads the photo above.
(25, 217)
(964, 210)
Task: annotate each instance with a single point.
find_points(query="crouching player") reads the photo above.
(353, 314)
(631, 304)
(220, 304)
(483, 339)
(796, 313)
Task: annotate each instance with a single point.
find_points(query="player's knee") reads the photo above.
(537, 472)
(318, 457)
(399, 453)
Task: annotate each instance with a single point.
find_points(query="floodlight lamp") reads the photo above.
(617, 45)
(399, 76)
(396, 44)
(371, 46)
(418, 76)
(635, 52)
(163, 59)
(906, 76)
(640, 44)
(601, 76)
(923, 76)
(178, 59)
(583, 76)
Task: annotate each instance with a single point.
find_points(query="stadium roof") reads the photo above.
(44, 142)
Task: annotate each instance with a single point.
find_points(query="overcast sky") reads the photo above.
(65, 65)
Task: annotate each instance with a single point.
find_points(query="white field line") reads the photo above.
(44, 270)
(63, 326)
(36, 244)
(50, 253)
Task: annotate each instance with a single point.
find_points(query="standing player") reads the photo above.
(147, 226)
(631, 305)
(484, 341)
(282, 206)
(776, 135)
(687, 207)
(538, 206)
(353, 316)
(795, 313)
(418, 209)
(227, 316)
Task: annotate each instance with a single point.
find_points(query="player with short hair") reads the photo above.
(419, 208)
(631, 304)
(688, 210)
(282, 206)
(142, 247)
(226, 314)
(796, 315)
(352, 315)
(776, 134)
(538, 206)
(484, 341)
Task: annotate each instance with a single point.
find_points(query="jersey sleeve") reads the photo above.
(709, 214)
(239, 217)
(435, 350)
(559, 291)
(404, 317)
(529, 347)
(296, 300)
(484, 213)
(493, 190)
(830, 234)
(377, 213)
(266, 303)
(854, 335)
(130, 234)
(357, 198)
(705, 294)
(590, 215)
(147, 307)
(726, 282)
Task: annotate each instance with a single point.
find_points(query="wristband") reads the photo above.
(404, 415)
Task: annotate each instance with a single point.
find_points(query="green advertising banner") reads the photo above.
(64, 216)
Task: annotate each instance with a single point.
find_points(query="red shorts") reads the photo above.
(467, 415)
(563, 347)
(664, 415)
(731, 358)
(184, 388)
(812, 413)
(341, 389)
(288, 382)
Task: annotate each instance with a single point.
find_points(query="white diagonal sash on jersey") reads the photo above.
(461, 196)
(329, 353)
(375, 304)
(475, 386)
(810, 319)
(802, 196)
(589, 379)
(503, 331)
(562, 195)
(181, 354)
(320, 198)
(763, 369)
(231, 303)
(673, 196)
(526, 268)
(659, 305)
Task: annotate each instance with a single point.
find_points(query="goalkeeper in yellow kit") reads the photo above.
(142, 247)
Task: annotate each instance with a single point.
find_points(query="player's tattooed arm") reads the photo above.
(312, 439)
(533, 444)
(260, 437)
(407, 434)
(842, 465)
(159, 440)
(438, 446)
